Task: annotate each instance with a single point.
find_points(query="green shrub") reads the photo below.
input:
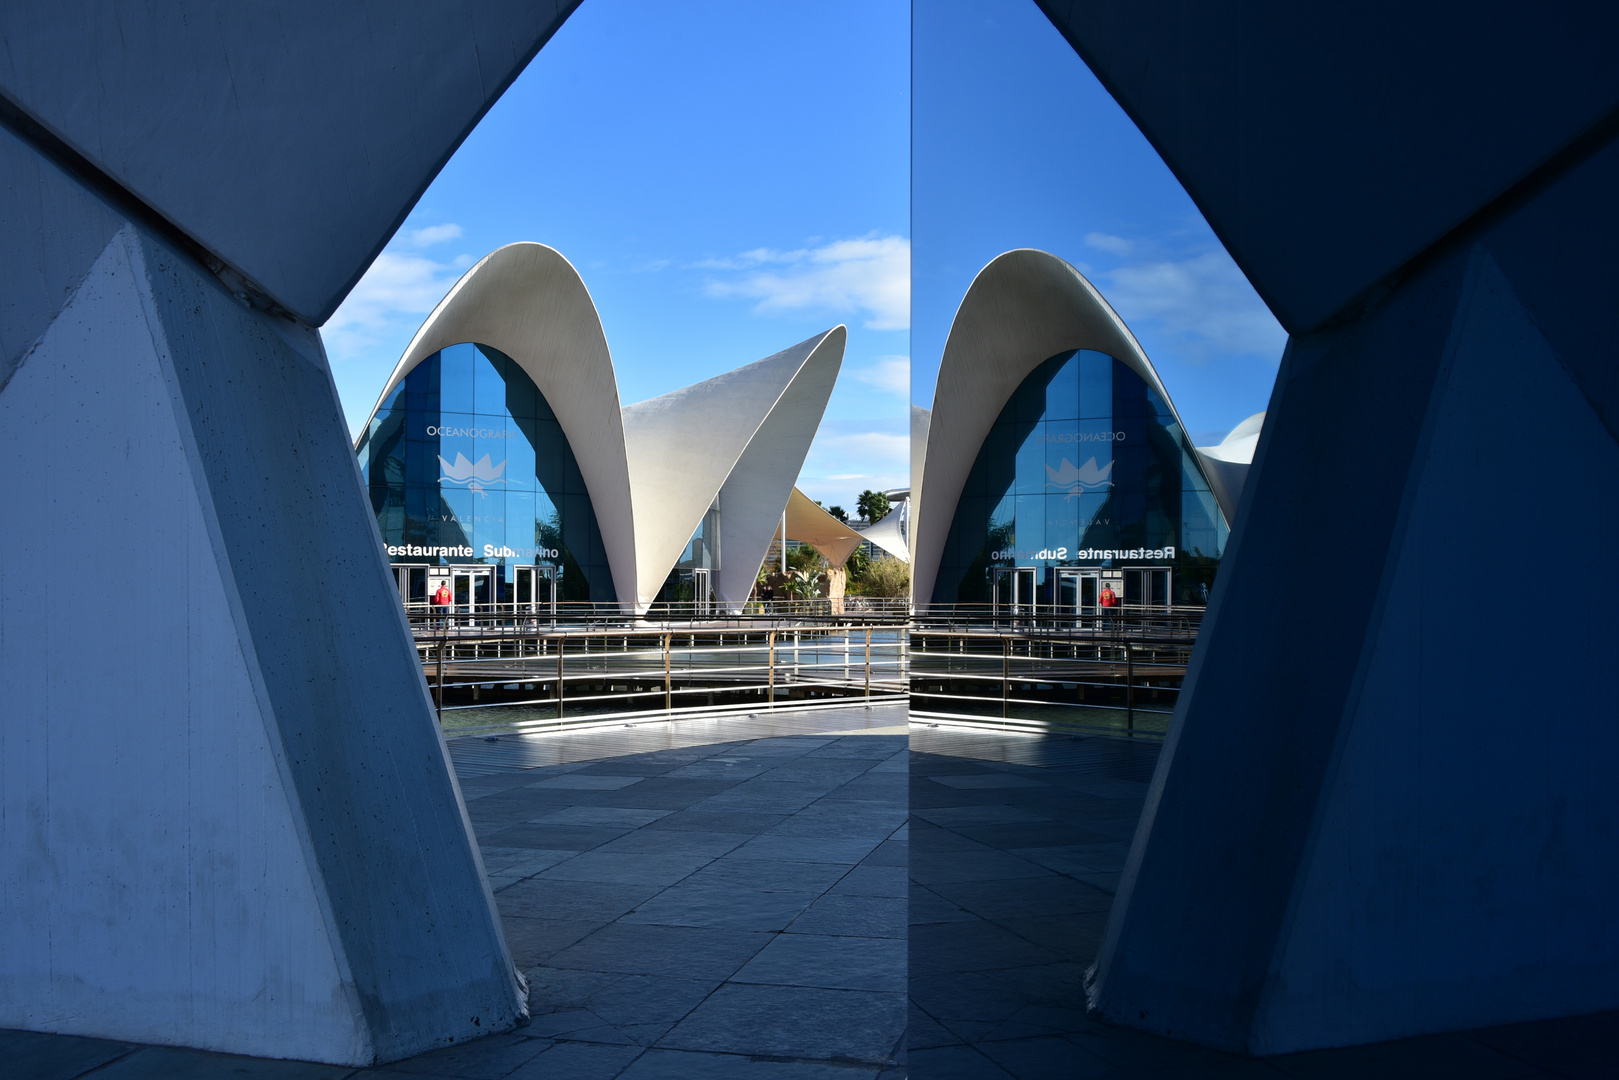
(887, 576)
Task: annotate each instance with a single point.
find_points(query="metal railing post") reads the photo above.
(868, 661)
(770, 668)
(667, 696)
(1006, 677)
(1129, 687)
(438, 684)
(560, 643)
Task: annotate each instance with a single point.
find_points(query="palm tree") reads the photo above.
(873, 505)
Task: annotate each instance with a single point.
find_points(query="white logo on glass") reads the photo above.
(474, 476)
(1077, 480)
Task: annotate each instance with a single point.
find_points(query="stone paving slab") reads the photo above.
(755, 908)
(1016, 848)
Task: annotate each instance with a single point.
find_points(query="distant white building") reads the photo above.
(499, 460)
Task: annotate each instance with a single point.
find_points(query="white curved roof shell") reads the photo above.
(530, 303)
(887, 534)
(741, 436)
(1022, 309)
(653, 468)
(1226, 464)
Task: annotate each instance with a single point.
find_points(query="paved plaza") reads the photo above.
(1017, 845)
(707, 898)
(741, 898)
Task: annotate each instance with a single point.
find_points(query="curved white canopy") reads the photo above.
(887, 534)
(529, 302)
(809, 523)
(741, 436)
(1226, 464)
(653, 468)
(1022, 309)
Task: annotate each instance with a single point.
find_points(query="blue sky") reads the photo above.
(1017, 145)
(730, 178)
(733, 177)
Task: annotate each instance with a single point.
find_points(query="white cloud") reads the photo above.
(851, 455)
(871, 275)
(890, 374)
(1116, 245)
(396, 285)
(376, 321)
(876, 445)
(1204, 299)
(432, 234)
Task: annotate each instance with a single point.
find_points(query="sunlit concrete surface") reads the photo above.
(702, 898)
(236, 828)
(287, 138)
(204, 828)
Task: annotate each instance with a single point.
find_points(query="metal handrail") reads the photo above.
(1124, 654)
(764, 655)
(682, 611)
(960, 662)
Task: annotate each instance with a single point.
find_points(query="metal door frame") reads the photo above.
(1078, 575)
(1146, 603)
(536, 573)
(401, 573)
(702, 594)
(1021, 605)
(471, 573)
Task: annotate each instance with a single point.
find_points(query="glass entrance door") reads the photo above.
(533, 591)
(1014, 591)
(413, 589)
(1147, 587)
(1023, 596)
(702, 599)
(1077, 592)
(474, 589)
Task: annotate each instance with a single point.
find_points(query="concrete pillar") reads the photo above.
(1386, 806)
(227, 812)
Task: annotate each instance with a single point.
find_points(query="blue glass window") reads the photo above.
(1085, 460)
(466, 452)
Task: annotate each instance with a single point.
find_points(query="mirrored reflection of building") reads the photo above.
(501, 465)
(1054, 465)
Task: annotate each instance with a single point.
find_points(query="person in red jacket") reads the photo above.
(443, 597)
(1109, 603)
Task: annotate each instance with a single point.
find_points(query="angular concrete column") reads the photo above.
(1387, 803)
(227, 811)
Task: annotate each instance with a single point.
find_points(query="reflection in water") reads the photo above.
(1016, 847)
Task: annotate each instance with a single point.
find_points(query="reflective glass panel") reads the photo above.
(1084, 465)
(466, 452)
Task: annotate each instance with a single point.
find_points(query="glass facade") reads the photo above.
(692, 578)
(1085, 467)
(466, 464)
